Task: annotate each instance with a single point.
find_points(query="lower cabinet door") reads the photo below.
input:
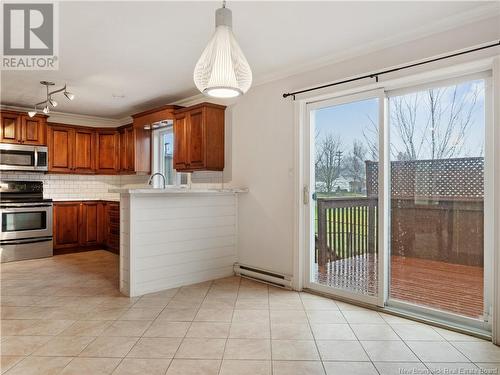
(66, 225)
(89, 229)
(87, 224)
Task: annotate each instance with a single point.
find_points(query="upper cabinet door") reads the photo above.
(130, 141)
(34, 130)
(84, 153)
(180, 142)
(123, 151)
(108, 152)
(196, 139)
(10, 128)
(61, 145)
(199, 138)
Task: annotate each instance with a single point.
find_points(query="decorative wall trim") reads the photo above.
(489, 11)
(76, 119)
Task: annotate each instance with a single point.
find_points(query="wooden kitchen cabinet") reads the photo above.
(33, 130)
(199, 138)
(86, 225)
(108, 151)
(143, 165)
(142, 125)
(84, 151)
(10, 128)
(127, 149)
(181, 162)
(112, 226)
(66, 225)
(61, 148)
(89, 223)
(19, 128)
(71, 150)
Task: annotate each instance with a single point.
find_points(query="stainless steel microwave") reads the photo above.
(23, 158)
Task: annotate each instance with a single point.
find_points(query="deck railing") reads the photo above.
(447, 230)
(346, 227)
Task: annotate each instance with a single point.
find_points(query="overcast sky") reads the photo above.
(349, 121)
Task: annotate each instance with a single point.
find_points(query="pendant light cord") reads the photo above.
(223, 3)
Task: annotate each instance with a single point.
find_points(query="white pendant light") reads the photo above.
(222, 70)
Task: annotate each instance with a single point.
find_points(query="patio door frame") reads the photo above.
(446, 317)
(383, 183)
(302, 237)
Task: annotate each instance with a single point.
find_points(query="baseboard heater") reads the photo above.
(264, 276)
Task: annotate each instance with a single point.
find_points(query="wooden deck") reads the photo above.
(450, 287)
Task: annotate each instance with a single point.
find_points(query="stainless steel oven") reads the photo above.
(25, 221)
(23, 158)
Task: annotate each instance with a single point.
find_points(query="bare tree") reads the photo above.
(449, 122)
(354, 166)
(370, 135)
(327, 163)
(404, 120)
(432, 124)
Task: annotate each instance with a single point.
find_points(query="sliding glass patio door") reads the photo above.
(344, 214)
(398, 215)
(437, 185)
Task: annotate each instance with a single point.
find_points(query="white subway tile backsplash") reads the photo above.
(85, 187)
(76, 187)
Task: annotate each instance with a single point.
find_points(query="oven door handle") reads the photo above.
(25, 241)
(6, 207)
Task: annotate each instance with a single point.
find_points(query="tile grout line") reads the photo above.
(190, 322)
(312, 333)
(411, 350)
(359, 341)
(230, 325)
(139, 338)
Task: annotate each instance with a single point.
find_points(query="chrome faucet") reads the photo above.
(159, 174)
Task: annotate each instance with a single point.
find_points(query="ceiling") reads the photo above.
(120, 58)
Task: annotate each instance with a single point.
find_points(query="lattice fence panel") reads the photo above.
(460, 178)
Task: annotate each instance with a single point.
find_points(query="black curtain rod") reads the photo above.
(375, 75)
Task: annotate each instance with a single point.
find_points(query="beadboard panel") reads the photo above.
(168, 241)
(187, 279)
(185, 246)
(183, 212)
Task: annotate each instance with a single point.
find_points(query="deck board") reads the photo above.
(451, 287)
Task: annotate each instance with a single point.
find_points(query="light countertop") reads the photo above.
(83, 199)
(179, 191)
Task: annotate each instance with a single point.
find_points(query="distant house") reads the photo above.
(341, 184)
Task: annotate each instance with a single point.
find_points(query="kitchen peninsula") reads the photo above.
(172, 237)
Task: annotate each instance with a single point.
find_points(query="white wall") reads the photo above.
(263, 139)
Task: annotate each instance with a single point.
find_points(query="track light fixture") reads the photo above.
(69, 95)
(50, 101)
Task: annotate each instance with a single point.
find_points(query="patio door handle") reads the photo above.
(306, 194)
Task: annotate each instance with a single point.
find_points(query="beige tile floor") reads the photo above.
(64, 315)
